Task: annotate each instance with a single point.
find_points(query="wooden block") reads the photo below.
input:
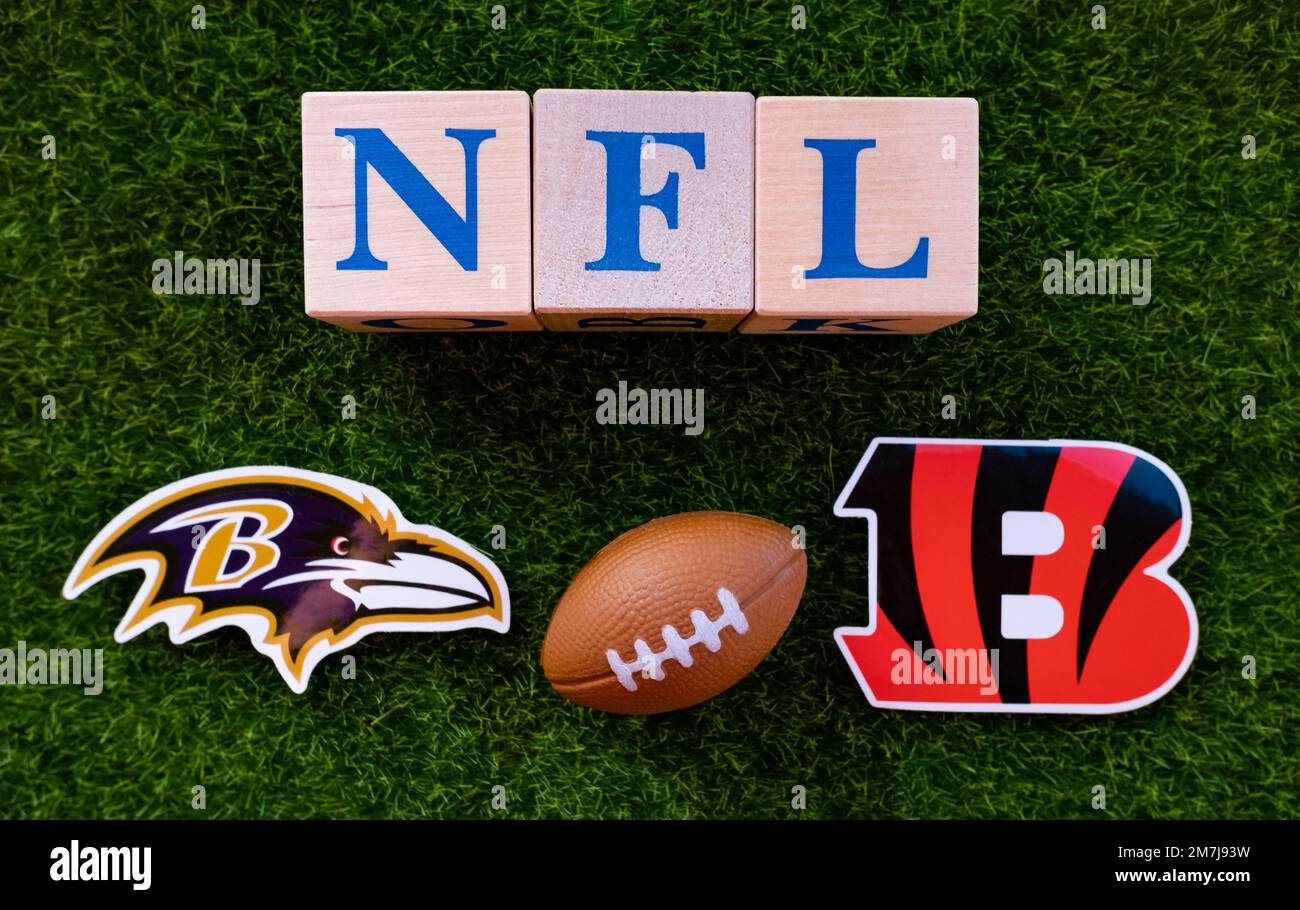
(866, 214)
(392, 241)
(643, 210)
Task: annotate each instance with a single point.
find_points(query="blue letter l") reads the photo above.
(840, 217)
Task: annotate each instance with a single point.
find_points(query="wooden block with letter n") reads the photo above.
(643, 209)
(416, 210)
(866, 214)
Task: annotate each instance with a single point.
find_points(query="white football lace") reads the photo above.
(651, 663)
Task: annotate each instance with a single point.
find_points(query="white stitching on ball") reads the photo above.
(677, 648)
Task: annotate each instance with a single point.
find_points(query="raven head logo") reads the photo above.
(306, 563)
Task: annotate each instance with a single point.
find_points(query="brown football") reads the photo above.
(674, 612)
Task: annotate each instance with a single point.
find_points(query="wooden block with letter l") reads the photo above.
(866, 214)
(643, 210)
(416, 210)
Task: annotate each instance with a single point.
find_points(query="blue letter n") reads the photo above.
(840, 217)
(459, 235)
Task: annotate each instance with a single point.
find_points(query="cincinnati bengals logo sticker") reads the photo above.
(1019, 576)
(307, 564)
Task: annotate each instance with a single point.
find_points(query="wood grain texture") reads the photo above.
(906, 189)
(423, 288)
(706, 263)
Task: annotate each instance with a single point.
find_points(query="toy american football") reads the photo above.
(674, 612)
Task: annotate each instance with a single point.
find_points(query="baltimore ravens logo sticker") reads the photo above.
(1019, 576)
(306, 563)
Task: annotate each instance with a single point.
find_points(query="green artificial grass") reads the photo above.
(1122, 142)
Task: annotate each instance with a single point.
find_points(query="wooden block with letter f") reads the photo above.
(866, 214)
(416, 210)
(643, 210)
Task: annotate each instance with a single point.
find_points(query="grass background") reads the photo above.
(1123, 142)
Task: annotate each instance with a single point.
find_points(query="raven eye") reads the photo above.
(340, 546)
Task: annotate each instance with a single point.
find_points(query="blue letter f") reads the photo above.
(624, 199)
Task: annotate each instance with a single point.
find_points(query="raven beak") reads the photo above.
(408, 581)
(413, 581)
